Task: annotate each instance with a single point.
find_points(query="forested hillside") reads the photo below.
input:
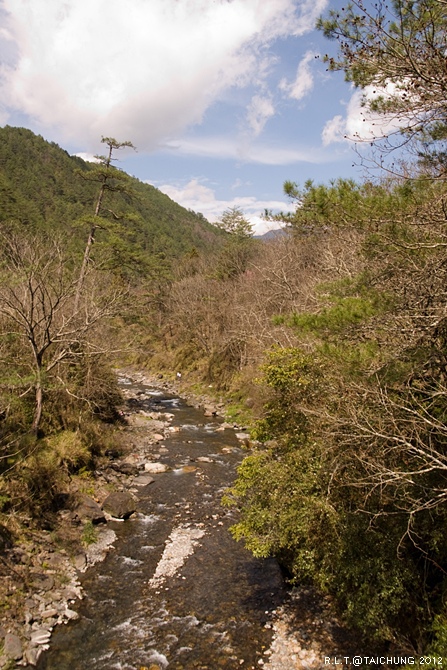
(44, 188)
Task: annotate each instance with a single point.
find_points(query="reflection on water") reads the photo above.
(210, 608)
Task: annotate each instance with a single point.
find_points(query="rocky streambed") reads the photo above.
(165, 584)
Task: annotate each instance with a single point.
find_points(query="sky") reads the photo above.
(224, 100)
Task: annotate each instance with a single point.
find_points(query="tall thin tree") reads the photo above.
(110, 179)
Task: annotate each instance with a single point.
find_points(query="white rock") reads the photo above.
(49, 613)
(41, 636)
(179, 545)
(32, 655)
(70, 614)
(156, 467)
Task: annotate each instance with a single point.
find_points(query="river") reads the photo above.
(176, 591)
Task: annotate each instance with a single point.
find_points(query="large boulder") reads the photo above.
(120, 505)
(88, 509)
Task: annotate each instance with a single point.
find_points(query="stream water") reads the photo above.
(176, 591)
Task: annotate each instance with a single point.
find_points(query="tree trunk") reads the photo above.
(38, 408)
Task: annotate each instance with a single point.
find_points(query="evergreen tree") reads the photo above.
(109, 179)
(398, 50)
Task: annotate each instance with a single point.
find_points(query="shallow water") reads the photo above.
(176, 591)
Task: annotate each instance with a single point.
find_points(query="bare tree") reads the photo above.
(42, 307)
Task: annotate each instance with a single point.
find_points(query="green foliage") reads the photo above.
(89, 534)
(348, 490)
(67, 449)
(234, 222)
(296, 504)
(234, 256)
(398, 50)
(43, 191)
(346, 313)
(288, 370)
(268, 526)
(344, 203)
(438, 645)
(378, 593)
(294, 379)
(238, 248)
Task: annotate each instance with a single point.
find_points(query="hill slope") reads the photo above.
(41, 186)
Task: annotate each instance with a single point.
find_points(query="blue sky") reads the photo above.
(224, 99)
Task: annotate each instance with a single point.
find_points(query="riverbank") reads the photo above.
(40, 569)
(44, 586)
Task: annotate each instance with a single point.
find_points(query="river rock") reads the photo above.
(120, 505)
(210, 410)
(40, 636)
(32, 655)
(97, 551)
(189, 468)
(143, 480)
(69, 614)
(56, 561)
(244, 438)
(71, 592)
(88, 509)
(156, 468)
(13, 647)
(80, 561)
(49, 614)
(225, 426)
(125, 468)
(42, 582)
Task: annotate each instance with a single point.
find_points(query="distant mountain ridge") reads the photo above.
(272, 234)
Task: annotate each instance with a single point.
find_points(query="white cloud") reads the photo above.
(90, 158)
(138, 70)
(304, 81)
(360, 123)
(260, 110)
(245, 152)
(197, 196)
(334, 130)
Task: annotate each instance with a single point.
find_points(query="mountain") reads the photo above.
(272, 234)
(41, 186)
